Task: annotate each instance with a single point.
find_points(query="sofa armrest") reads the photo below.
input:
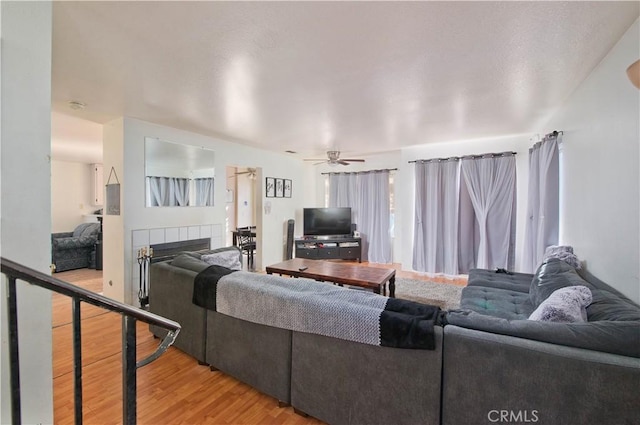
(73, 242)
(61, 235)
(545, 382)
(171, 296)
(615, 337)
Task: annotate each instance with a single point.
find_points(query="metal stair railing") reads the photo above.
(130, 315)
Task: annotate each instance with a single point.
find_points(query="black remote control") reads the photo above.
(303, 268)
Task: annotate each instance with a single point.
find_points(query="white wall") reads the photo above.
(136, 216)
(600, 161)
(71, 194)
(113, 240)
(26, 197)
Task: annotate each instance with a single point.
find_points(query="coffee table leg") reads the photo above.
(392, 287)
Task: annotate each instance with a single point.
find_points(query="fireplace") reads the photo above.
(167, 250)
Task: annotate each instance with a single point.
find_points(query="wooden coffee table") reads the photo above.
(340, 273)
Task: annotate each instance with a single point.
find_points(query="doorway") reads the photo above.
(242, 208)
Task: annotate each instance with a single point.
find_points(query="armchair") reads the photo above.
(72, 250)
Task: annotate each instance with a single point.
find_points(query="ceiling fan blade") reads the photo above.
(341, 162)
(244, 172)
(321, 162)
(353, 160)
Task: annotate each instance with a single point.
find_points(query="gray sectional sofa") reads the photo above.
(559, 373)
(489, 363)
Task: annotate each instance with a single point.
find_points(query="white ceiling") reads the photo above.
(360, 77)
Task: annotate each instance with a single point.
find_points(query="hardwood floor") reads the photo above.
(172, 390)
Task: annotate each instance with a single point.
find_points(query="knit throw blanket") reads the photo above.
(305, 305)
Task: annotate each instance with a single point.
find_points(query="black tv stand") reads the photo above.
(342, 247)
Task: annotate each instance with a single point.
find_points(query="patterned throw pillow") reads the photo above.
(564, 253)
(228, 259)
(566, 305)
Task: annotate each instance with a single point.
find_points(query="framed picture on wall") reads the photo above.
(270, 186)
(287, 188)
(279, 188)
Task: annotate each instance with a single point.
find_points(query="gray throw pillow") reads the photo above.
(552, 275)
(566, 305)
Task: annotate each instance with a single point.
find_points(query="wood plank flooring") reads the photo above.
(172, 390)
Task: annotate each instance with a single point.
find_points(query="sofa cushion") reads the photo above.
(91, 231)
(86, 229)
(496, 302)
(566, 305)
(552, 275)
(608, 305)
(520, 282)
(189, 262)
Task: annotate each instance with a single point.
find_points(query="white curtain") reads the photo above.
(436, 217)
(491, 186)
(543, 216)
(180, 191)
(158, 191)
(204, 191)
(168, 191)
(367, 194)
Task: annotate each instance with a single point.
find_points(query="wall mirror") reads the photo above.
(178, 175)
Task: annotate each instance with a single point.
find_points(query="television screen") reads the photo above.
(327, 221)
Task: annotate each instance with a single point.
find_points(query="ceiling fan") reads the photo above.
(334, 159)
(250, 172)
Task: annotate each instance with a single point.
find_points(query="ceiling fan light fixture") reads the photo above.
(76, 105)
(333, 159)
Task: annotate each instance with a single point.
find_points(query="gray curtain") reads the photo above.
(204, 191)
(342, 191)
(543, 211)
(491, 187)
(436, 224)
(374, 216)
(367, 194)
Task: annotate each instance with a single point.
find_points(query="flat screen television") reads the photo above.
(327, 222)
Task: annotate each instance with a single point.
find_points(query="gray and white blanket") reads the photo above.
(305, 305)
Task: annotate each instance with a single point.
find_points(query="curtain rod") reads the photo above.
(457, 158)
(554, 133)
(358, 172)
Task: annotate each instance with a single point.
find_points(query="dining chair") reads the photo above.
(246, 241)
